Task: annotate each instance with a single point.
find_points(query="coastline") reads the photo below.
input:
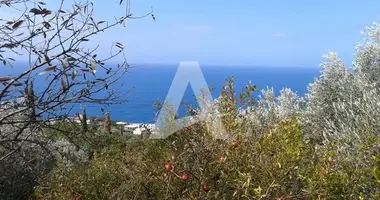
(133, 128)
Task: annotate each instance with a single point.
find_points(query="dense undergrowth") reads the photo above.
(279, 161)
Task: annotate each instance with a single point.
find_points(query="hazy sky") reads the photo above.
(242, 32)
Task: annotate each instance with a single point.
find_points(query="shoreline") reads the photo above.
(128, 127)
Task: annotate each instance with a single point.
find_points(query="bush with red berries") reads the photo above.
(275, 161)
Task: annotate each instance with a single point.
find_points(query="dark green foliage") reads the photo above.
(84, 121)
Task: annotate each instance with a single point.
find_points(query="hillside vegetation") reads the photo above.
(324, 145)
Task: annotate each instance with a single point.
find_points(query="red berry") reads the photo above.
(304, 198)
(222, 159)
(168, 167)
(235, 144)
(185, 176)
(206, 188)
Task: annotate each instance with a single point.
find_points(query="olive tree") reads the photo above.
(343, 105)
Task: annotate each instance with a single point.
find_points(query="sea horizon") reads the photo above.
(147, 83)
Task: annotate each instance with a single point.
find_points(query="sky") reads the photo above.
(240, 32)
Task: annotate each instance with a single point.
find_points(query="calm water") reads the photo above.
(152, 82)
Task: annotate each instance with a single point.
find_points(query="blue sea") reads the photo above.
(149, 83)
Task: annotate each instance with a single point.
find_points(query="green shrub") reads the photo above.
(277, 161)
